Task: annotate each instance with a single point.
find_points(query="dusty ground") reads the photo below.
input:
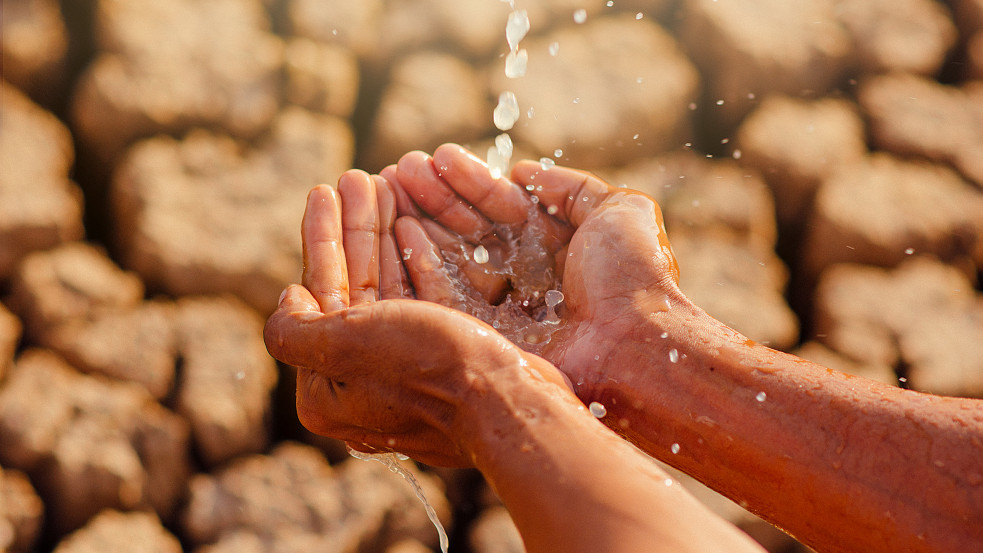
(820, 164)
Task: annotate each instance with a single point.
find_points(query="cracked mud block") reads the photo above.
(165, 67)
(209, 215)
(320, 77)
(431, 98)
(226, 377)
(73, 282)
(882, 209)
(21, 512)
(134, 532)
(705, 197)
(352, 24)
(470, 28)
(637, 107)
(739, 284)
(922, 318)
(914, 116)
(96, 444)
(295, 499)
(968, 15)
(494, 532)
(795, 144)
(77, 302)
(912, 36)
(748, 49)
(35, 42)
(39, 206)
(10, 332)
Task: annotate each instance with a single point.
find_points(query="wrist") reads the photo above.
(505, 398)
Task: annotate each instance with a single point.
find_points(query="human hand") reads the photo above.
(608, 247)
(355, 336)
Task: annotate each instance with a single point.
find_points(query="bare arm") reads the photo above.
(842, 463)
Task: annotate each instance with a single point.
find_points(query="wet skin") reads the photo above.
(842, 463)
(385, 372)
(830, 458)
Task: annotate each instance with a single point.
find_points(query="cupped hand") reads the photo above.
(356, 337)
(603, 247)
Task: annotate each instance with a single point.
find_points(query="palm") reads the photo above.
(599, 246)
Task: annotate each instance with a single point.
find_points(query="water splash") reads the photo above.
(391, 461)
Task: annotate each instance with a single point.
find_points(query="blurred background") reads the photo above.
(819, 163)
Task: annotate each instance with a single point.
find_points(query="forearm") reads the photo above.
(573, 485)
(842, 463)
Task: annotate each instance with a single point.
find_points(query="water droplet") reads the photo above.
(515, 64)
(598, 410)
(576, 100)
(634, 136)
(546, 163)
(610, 3)
(664, 335)
(580, 16)
(909, 251)
(240, 375)
(673, 355)
(639, 15)
(552, 210)
(674, 448)
(667, 482)
(557, 153)
(554, 48)
(516, 28)
(761, 396)
(720, 102)
(736, 154)
(530, 112)
(503, 143)
(407, 252)
(506, 112)
(480, 255)
(553, 298)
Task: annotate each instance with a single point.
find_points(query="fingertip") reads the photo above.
(449, 153)
(353, 178)
(412, 162)
(321, 192)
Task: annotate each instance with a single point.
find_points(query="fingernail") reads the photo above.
(282, 295)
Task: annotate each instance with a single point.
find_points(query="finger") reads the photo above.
(404, 205)
(425, 186)
(393, 280)
(325, 268)
(572, 193)
(484, 277)
(499, 199)
(297, 305)
(425, 265)
(360, 224)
